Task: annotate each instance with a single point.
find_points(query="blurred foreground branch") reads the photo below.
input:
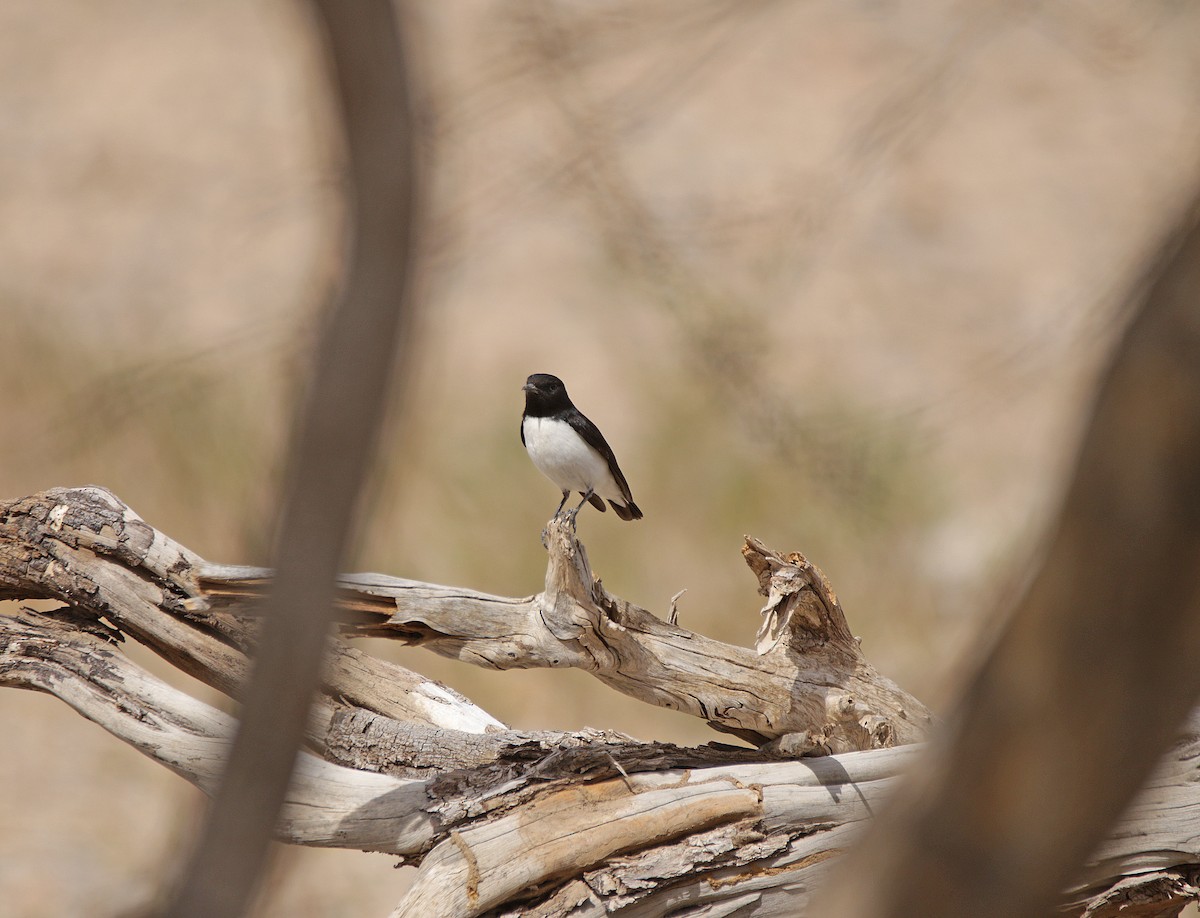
(501, 821)
(1087, 684)
(333, 443)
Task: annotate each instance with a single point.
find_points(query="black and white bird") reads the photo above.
(570, 450)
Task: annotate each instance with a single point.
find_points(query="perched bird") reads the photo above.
(570, 450)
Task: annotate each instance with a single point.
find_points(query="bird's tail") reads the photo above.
(628, 511)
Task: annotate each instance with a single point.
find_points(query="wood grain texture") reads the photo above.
(810, 682)
(505, 822)
(327, 805)
(84, 547)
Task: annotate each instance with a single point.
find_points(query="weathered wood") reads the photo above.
(84, 547)
(328, 804)
(1157, 894)
(753, 835)
(364, 739)
(333, 805)
(811, 683)
(500, 821)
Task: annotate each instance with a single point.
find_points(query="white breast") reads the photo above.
(565, 458)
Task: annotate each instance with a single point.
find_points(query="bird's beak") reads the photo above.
(527, 388)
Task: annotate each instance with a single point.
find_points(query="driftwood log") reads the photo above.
(506, 822)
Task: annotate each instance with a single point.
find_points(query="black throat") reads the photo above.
(546, 396)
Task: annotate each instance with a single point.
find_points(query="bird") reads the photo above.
(570, 450)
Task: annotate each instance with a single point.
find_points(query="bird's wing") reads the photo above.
(522, 430)
(592, 436)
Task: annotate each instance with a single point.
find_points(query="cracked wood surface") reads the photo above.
(504, 822)
(810, 685)
(84, 547)
(328, 805)
(572, 840)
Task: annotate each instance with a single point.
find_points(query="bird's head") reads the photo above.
(545, 393)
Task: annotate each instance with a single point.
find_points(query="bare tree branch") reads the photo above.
(147, 588)
(326, 804)
(775, 825)
(811, 684)
(594, 822)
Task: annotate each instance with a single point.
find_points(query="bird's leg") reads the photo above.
(546, 528)
(574, 511)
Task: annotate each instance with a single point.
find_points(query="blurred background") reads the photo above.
(839, 275)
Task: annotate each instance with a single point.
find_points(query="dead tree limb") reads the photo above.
(499, 821)
(810, 684)
(328, 804)
(84, 547)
